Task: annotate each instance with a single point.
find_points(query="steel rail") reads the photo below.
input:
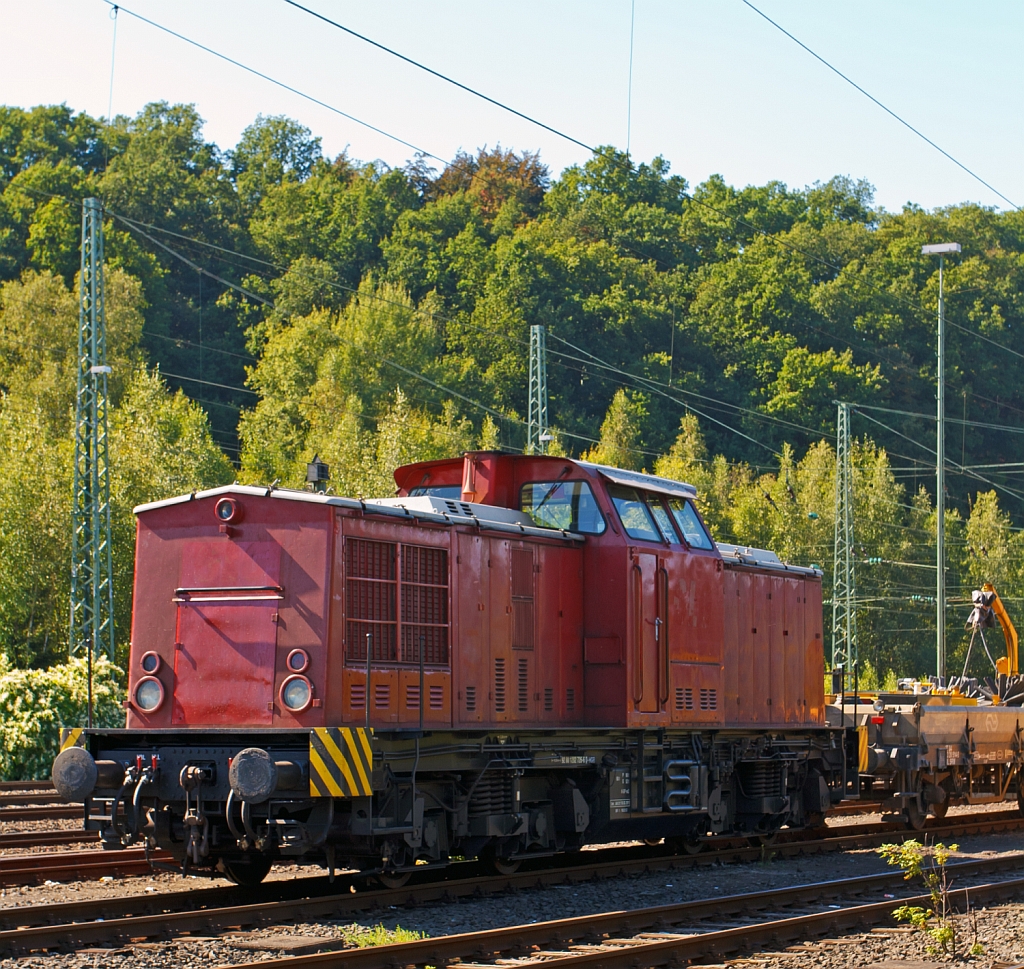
(627, 951)
(32, 797)
(42, 839)
(55, 812)
(32, 869)
(26, 786)
(33, 928)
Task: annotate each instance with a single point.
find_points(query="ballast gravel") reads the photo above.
(1000, 930)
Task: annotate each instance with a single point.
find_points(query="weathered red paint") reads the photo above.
(610, 631)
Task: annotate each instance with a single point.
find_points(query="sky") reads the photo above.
(715, 88)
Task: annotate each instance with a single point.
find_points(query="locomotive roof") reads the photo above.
(637, 479)
(439, 511)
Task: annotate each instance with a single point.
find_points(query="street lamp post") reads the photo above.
(941, 250)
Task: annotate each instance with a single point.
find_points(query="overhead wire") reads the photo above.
(885, 108)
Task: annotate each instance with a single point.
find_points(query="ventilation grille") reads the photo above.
(709, 699)
(523, 686)
(458, 507)
(470, 699)
(370, 599)
(436, 697)
(412, 696)
(381, 696)
(499, 685)
(357, 696)
(549, 699)
(570, 699)
(424, 604)
(373, 590)
(684, 698)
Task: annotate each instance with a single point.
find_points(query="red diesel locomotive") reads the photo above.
(515, 656)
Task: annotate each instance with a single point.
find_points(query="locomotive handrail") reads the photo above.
(209, 593)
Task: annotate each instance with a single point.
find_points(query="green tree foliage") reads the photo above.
(382, 309)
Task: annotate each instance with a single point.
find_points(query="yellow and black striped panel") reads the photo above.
(71, 737)
(341, 762)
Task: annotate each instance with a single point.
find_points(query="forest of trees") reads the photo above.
(266, 303)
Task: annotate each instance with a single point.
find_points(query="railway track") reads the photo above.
(74, 924)
(668, 934)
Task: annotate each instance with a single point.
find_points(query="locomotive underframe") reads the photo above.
(444, 795)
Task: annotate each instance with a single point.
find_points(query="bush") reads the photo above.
(35, 704)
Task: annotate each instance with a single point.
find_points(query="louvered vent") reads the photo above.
(570, 699)
(523, 686)
(684, 698)
(470, 699)
(436, 697)
(357, 696)
(412, 696)
(381, 696)
(709, 699)
(549, 699)
(499, 685)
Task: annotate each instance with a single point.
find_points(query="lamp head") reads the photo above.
(940, 249)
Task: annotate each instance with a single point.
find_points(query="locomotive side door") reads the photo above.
(649, 681)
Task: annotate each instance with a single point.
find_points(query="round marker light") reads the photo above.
(228, 510)
(296, 693)
(150, 663)
(149, 694)
(298, 660)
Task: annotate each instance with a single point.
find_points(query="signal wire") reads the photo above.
(887, 110)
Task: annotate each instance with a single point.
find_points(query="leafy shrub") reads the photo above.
(35, 704)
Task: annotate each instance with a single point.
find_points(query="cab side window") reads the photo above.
(636, 517)
(689, 524)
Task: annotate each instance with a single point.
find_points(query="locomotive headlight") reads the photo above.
(150, 663)
(228, 510)
(149, 694)
(296, 693)
(298, 660)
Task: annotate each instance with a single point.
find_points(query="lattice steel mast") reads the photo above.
(92, 587)
(537, 435)
(844, 586)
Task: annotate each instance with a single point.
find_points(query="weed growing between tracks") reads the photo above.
(363, 936)
(940, 921)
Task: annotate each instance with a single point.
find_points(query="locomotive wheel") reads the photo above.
(688, 844)
(249, 870)
(393, 879)
(503, 866)
(914, 817)
(939, 810)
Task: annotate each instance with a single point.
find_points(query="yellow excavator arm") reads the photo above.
(1007, 664)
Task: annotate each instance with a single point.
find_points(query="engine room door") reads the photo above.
(648, 634)
(224, 660)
